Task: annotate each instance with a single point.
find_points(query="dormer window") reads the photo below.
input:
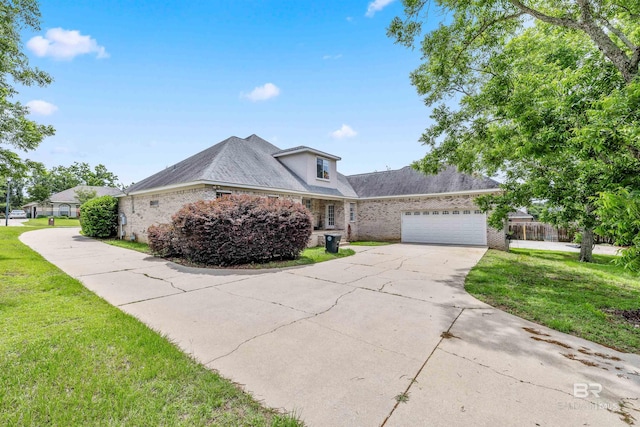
(322, 170)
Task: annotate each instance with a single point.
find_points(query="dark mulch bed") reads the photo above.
(631, 316)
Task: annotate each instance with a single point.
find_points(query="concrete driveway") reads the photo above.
(385, 337)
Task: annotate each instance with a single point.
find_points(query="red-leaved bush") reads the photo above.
(235, 230)
(161, 240)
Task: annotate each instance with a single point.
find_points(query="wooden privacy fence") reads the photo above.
(547, 232)
(540, 231)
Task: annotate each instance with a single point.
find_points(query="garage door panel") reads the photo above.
(461, 229)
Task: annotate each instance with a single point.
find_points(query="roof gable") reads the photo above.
(240, 161)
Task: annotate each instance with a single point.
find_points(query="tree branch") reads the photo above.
(482, 30)
(628, 67)
(619, 34)
(562, 22)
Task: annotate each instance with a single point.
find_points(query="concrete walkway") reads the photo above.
(340, 343)
(563, 246)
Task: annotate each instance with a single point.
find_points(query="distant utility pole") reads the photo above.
(6, 207)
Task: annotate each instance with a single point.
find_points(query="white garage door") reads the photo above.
(458, 227)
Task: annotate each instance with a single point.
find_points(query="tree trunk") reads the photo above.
(586, 247)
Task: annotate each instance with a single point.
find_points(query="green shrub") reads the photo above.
(236, 230)
(100, 217)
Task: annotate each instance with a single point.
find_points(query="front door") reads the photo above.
(330, 217)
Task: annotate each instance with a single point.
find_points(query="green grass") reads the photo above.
(308, 256)
(555, 290)
(59, 222)
(128, 244)
(69, 358)
(369, 243)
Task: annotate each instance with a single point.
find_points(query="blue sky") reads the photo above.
(142, 85)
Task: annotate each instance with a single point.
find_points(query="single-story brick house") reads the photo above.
(66, 203)
(390, 205)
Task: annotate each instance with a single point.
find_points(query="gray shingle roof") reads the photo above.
(250, 162)
(520, 214)
(242, 161)
(408, 181)
(69, 195)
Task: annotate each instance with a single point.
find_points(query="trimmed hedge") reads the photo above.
(235, 230)
(99, 217)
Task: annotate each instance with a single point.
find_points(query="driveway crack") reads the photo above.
(505, 375)
(280, 327)
(162, 280)
(415, 377)
(261, 300)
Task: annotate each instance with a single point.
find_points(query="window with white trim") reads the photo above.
(466, 212)
(456, 212)
(322, 168)
(445, 212)
(425, 213)
(416, 213)
(220, 194)
(436, 213)
(352, 212)
(477, 211)
(331, 216)
(307, 203)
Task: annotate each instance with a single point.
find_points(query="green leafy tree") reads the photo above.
(620, 215)
(532, 82)
(39, 183)
(16, 130)
(65, 177)
(84, 195)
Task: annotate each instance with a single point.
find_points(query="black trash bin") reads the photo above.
(332, 243)
(52, 222)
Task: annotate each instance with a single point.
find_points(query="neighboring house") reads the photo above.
(65, 203)
(392, 205)
(519, 217)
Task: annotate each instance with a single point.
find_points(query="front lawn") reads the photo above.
(68, 358)
(554, 289)
(58, 222)
(369, 243)
(308, 256)
(128, 244)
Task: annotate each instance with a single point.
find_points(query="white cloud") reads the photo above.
(62, 44)
(376, 6)
(325, 57)
(262, 93)
(44, 108)
(349, 19)
(344, 132)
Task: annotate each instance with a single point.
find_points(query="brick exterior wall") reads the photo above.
(145, 210)
(380, 219)
(377, 219)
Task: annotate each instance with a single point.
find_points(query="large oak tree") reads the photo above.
(17, 131)
(533, 84)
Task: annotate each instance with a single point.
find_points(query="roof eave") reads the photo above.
(234, 185)
(449, 193)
